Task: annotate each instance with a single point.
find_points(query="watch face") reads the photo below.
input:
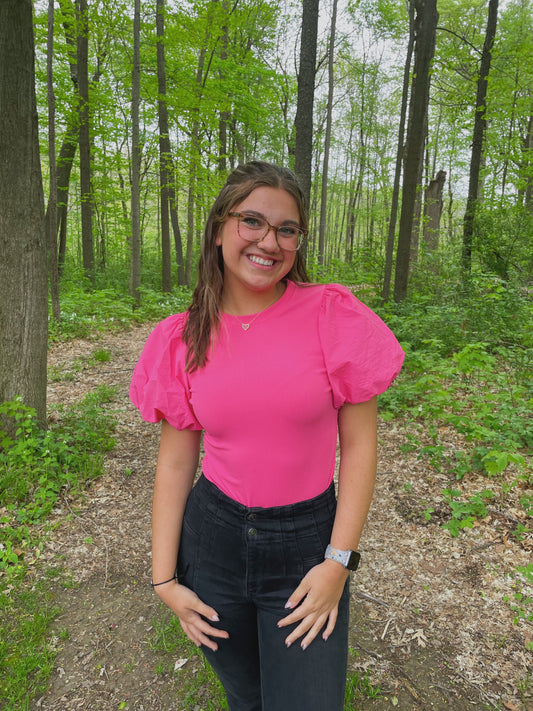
(353, 560)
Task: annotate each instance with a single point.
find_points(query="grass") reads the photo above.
(199, 683)
(26, 650)
(36, 469)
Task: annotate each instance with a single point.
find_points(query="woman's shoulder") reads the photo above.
(324, 295)
(171, 326)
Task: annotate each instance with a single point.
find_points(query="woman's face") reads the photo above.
(254, 269)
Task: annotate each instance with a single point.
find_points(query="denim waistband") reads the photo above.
(211, 495)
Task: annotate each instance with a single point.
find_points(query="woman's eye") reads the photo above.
(288, 231)
(252, 222)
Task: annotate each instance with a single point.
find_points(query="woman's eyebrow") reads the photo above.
(288, 221)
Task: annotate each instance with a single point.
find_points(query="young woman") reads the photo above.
(255, 558)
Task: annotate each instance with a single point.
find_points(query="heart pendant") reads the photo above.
(245, 326)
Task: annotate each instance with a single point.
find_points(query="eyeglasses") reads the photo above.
(254, 228)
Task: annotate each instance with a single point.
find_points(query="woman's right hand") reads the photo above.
(193, 614)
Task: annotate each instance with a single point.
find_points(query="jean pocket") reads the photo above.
(312, 543)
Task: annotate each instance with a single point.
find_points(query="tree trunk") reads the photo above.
(166, 167)
(303, 122)
(85, 140)
(135, 255)
(433, 210)
(425, 32)
(327, 141)
(478, 137)
(526, 166)
(391, 234)
(224, 116)
(23, 269)
(51, 215)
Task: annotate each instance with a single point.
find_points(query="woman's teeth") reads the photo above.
(260, 260)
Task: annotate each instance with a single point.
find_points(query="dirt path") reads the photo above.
(429, 622)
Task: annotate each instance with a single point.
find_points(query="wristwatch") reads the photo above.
(349, 559)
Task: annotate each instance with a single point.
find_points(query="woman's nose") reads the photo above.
(270, 241)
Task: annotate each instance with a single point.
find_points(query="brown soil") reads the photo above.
(429, 623)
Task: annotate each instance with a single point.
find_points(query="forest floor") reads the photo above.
(429, 622)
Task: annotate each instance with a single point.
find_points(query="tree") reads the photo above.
(480, 125)
(85, 139)
(433, 210)
(135, 256)
(425, 34)
(391, 234)
(51, 215)
(303, 122)
(23, 282)
(327, 139)
(166, 167)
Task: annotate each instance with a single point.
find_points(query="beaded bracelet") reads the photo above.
(154, 585)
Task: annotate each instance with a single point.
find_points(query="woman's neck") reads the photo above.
(251, 302)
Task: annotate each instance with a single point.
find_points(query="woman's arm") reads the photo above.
(177, 461)
(322, 586)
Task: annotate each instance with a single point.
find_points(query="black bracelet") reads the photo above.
(154, 585)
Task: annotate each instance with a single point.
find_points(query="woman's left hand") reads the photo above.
(316, 600)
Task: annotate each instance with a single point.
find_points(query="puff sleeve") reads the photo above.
(361, 353)
(159, 386)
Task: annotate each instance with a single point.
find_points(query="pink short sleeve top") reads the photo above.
(269, 395)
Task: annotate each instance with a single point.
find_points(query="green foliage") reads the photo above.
(468, 369)
(84, 312)
(26, 650)
(36, 465)
(465, 513)
(169, 638)
(503, 240)
(521, 601)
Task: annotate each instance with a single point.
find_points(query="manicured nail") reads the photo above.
(325, 638)
(289, 605)
(288, 644)
(304, 647)
(215, 618)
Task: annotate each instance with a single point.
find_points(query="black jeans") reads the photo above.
(246, 562)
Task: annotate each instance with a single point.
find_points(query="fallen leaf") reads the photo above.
(180, 664)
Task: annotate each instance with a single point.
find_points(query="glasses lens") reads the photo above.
(252, 228)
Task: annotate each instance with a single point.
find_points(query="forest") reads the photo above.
(410, 128)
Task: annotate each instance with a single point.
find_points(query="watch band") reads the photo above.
(349, 559)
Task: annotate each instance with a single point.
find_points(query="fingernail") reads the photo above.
(288, 644)
(304, 647)
(215, 618)
(289, 605)
(325, 638)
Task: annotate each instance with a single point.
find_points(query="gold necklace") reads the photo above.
(246, 326)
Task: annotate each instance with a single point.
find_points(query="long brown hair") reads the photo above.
(203, 317)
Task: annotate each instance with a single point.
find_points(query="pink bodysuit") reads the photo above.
(269, 395)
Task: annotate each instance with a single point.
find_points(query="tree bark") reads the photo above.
(85, 140)
(303, 122)
(166, 166)
(433, 210)
(478, 137)
(135, 254)
(51, 215)
(391, 233)
(327, 140)
(23, 269)
(425, 32)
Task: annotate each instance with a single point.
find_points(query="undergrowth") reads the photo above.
(84, 311)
